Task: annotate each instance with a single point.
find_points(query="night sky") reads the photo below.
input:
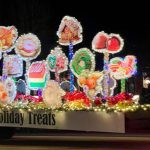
(43, 18)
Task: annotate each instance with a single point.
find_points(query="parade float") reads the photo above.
(35, 100)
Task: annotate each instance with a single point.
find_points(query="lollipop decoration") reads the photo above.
(123, 68)
(8, 36)
(82, 60)
(70, 33)
(57, 62)
(28, 47)
(104, 43)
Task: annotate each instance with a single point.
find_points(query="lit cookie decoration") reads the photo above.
(28, 46)
(7, 91)
(8, 36)
(57, 62)
(13, 66)
(52, 94)
(83, 59)
(70, 31)
(110, 43)
(88, 81)
(37, 75)
(123, 68)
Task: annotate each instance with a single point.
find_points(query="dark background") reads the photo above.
(43, 17)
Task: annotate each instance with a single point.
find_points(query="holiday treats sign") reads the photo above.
(79, 121)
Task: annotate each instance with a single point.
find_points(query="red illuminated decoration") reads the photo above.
(111, 43)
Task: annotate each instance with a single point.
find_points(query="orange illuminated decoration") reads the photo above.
(8, 35)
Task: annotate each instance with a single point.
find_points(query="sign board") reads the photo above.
(71, 120)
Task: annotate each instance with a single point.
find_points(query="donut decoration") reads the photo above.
(52, 94)
(88, 81)
(70, 31)
(111, 82)
(37, 75)
(8, 36)
(57, 60)
(83, 59)
(28, 46)
(110, 43)
(7, 91)
(123, 68)
(13, 66)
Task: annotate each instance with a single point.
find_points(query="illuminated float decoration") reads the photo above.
(88, 81)
(83, 60)
(112, 84)
(13, 66)
(57, 62)
(70, 33)
(107, 44)
(37, 75)
(8, 36)
(28, 46)
(76, 100)
(4, 99)
(52, 94)
(122, 69)
(7, 91)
